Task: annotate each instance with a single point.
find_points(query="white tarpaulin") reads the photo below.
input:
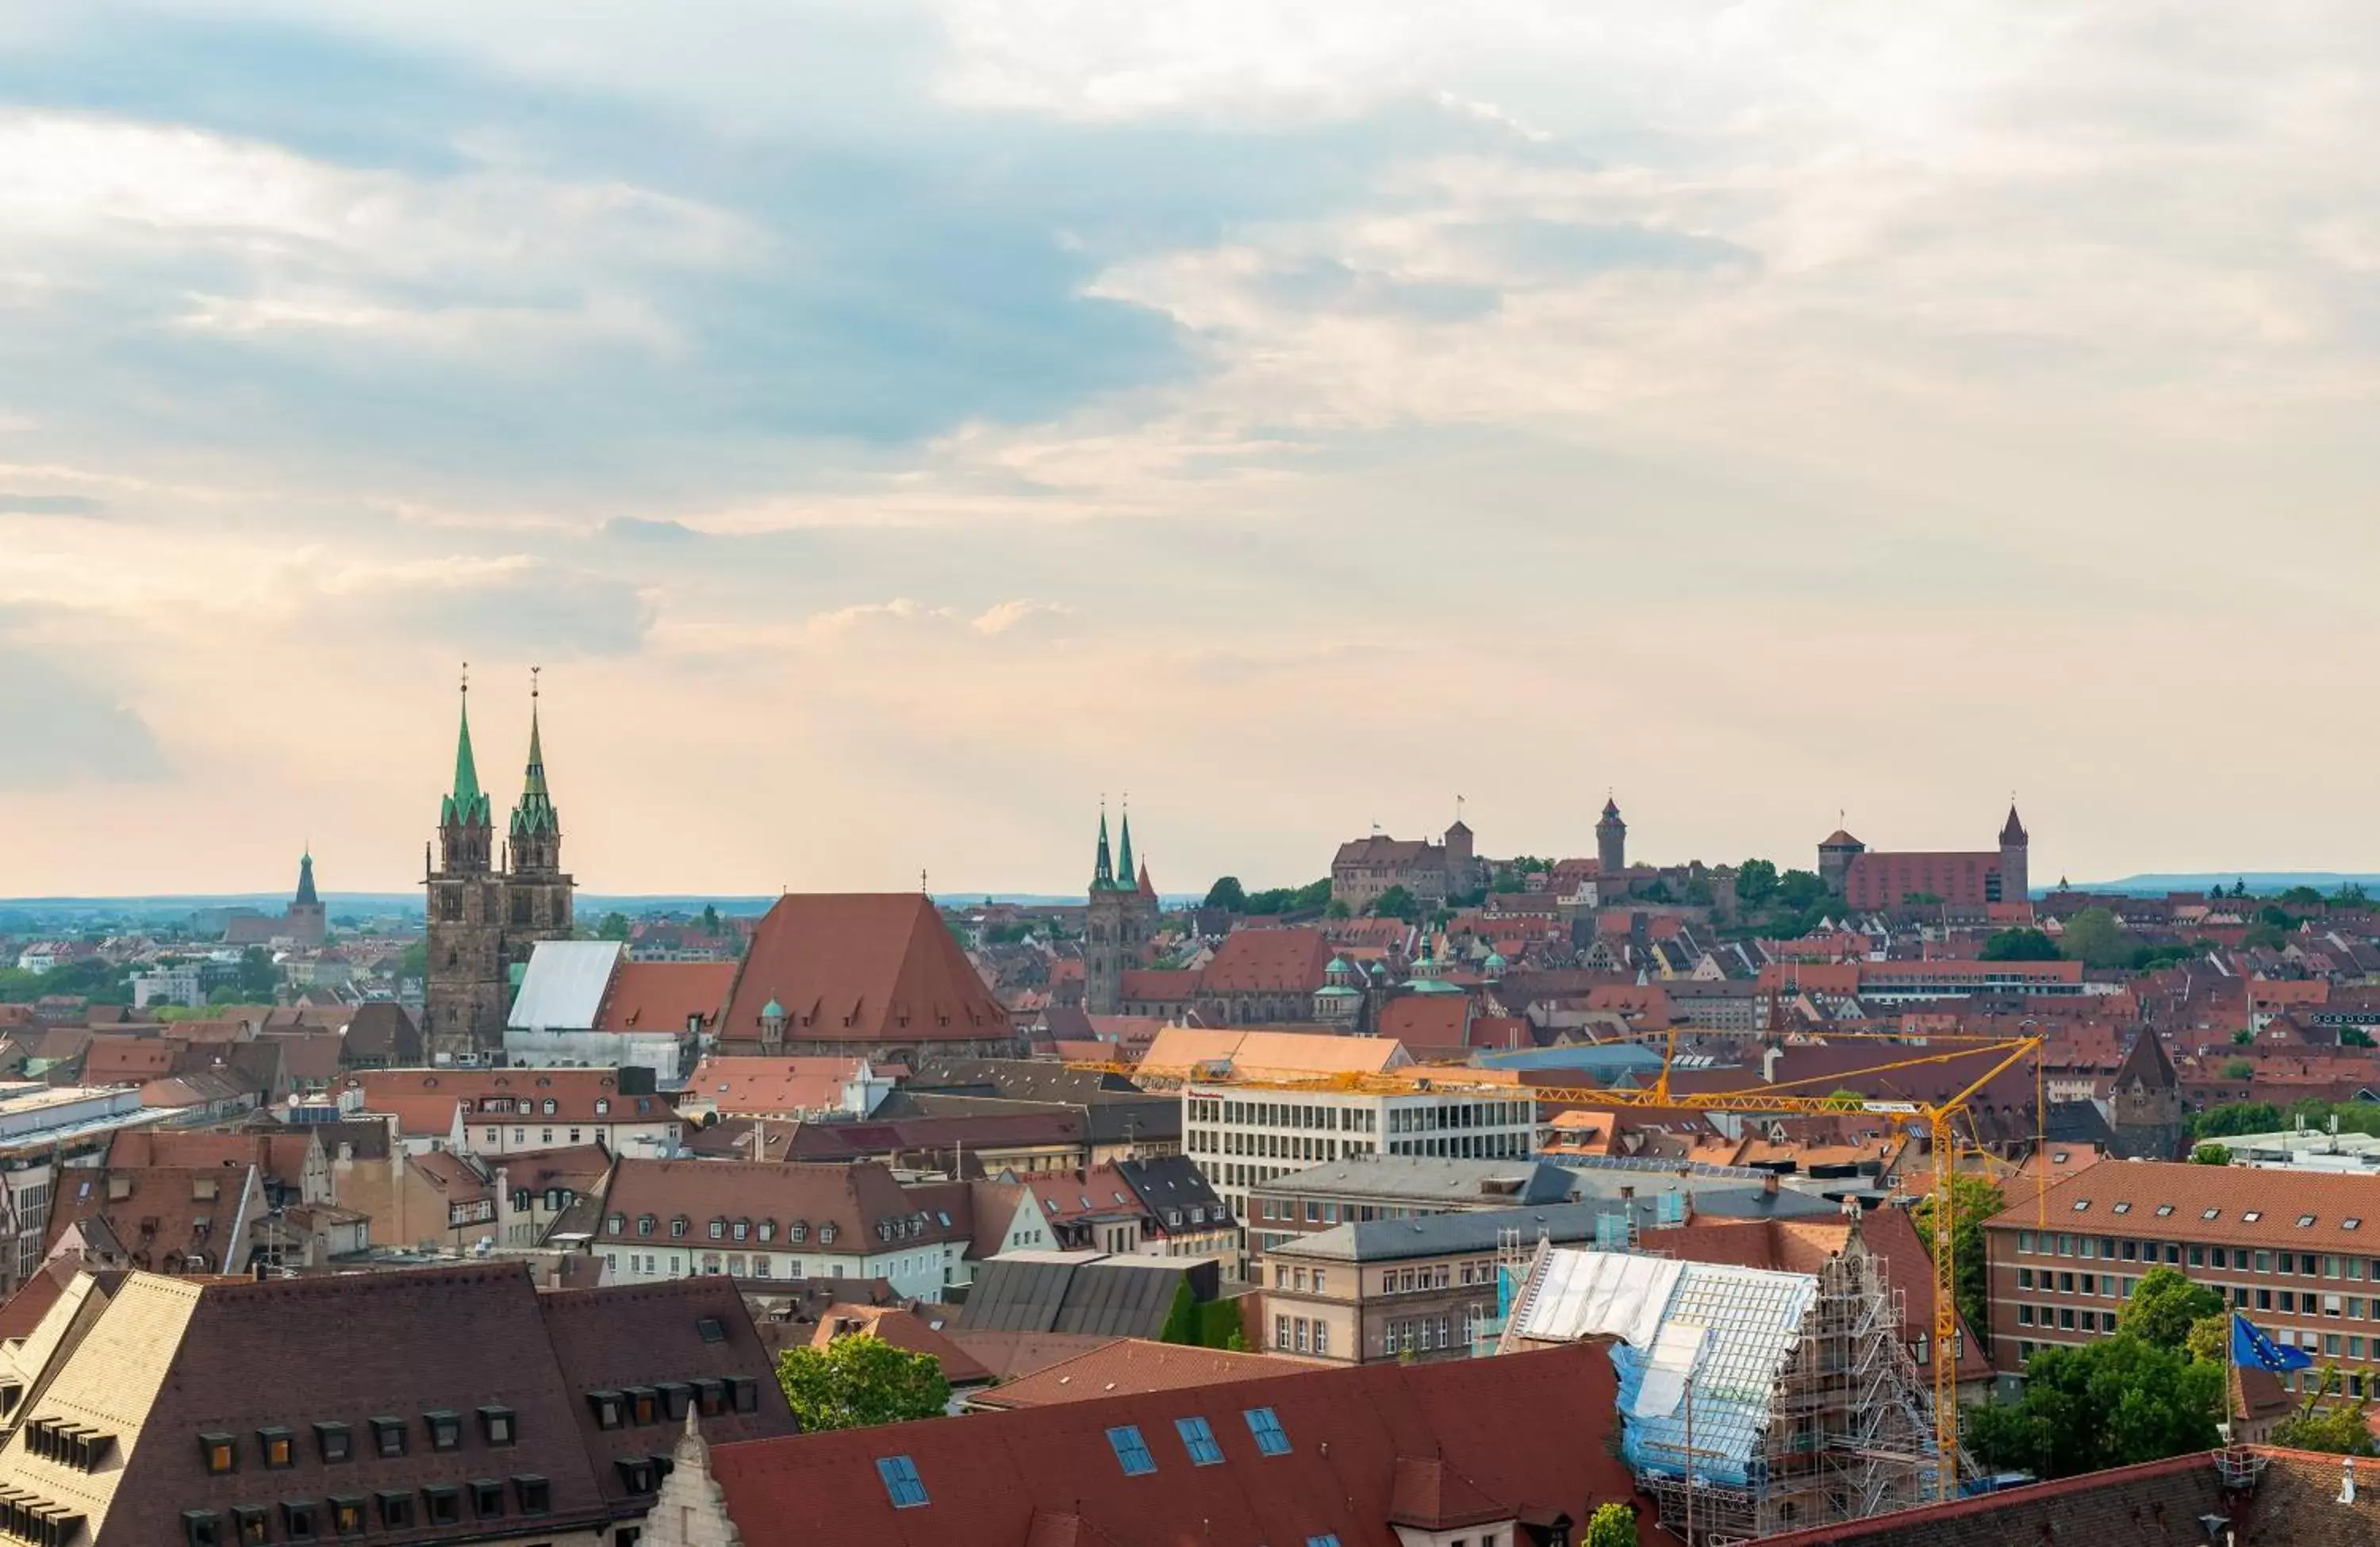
(1667, 1369)
(1590, 1294)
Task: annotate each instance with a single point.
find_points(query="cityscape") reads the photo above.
(1062, 776)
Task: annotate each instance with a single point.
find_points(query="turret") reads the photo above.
(535, 836)
(466, 822)
(1611, 840)
(2015, 865)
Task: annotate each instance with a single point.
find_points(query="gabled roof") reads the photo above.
(863, 967)
(745, 1087)
(1132, 1365)
(1267, 961)
(564, 985)
(662, 995)
(2147, 1061)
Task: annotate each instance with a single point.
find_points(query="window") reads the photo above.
(1326, 1540)
(276, 1447)
(2304, 1221)
(1131, 1450)
(710, 1329)
(2123, 1208)
(1264, 1425)
(388, 1435)
(335, 1442)
(2252, 1216)
(636, 1473)
(901, 1482)
(535, 1493)
(298, 1519)
(395, 1509)
(220, 1452)
(443, 1503)
(446, 1429)
(347, 1513)
(2082, 1205)
(2353, 1222)
(202, 1528)
(496, 1425)
(747, 1394)
(2211, 1213)
(488, 1498)
(677, 1225)
(607, 1408)
(718, 1229)
(1321, 1337)
(2164, 1209)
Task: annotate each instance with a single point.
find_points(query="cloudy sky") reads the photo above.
(892, 427)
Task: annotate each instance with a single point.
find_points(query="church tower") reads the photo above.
(1103, 934)
(1611, 841)
(1139, 915)
(305, 920)
(465, 1005)
(2014, 845)
(2144, 1103)
(537, 890)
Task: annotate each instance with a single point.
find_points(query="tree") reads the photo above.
(414, 960)
(2238, 1069)
(2234, 1117)
(855, 1381)
(2354, 1035)
(1845, 1100)
(2095, 939)
(2350, 896)
(2165, 1305)
(1227, 892)
(2020, 946)
(2341, 1429)
(1755, 882)
(613, 927)
(2211, 1154)
(1395, 903)
(2116, 1402)
(1338, 909)
(2210, 1340)
(259, 976)
(1611, 1525)
(2243, 1038)
(1656, 891)
(710, 917)
(2301, 896)
(1972, 1200)
(1801, 889)
(2264, 937)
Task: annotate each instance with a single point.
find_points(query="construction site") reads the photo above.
(1752, 1400)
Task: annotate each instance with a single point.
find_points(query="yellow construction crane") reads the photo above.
(1774, 1100)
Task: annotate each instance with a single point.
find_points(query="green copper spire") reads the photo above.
(305, 876)
(535, 812)
(1103, 872)
(1124, 872)
(467, 804)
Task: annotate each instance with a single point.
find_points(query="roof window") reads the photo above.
(2081, 1204)
(396, 1508)
(248, 1525)
(2252, 1216)
(2164, 1209)
(2123, 1208)
(488, 1498)
(333, 1441)
(1264, 1425)
(2351, 1222)
(901, 1482)
(277, 1447)
(2304, 1221)
(607, 1406)
(535, 1493)
(299, 1520)
(2210, 1213)
(1131, 1450)
(712, 1329)
(496, 1425)
(202, 1528)
(1326, 1539)
(443, 1503)
(1199, 1441)
(388, 1435)
(446, 1428)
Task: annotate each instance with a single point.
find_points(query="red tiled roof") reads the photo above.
(1426, 1019)
(2326, 1199)
(1267, 961)
(662, 995)
(857, 1201)
(1130, 1366)
(1161, 985)
(901, 1329)
(424, 1099)
(863, 967)
(1528, 1431)
(745, 1087)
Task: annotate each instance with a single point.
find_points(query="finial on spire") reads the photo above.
(921, 881)
(466, 677)
(532, 681)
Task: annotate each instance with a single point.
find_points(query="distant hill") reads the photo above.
(2259, 882)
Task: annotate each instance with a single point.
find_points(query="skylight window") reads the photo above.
(2123, 1208)
(2252, 1216)
(2351, 1222)
(1132, 1450)
(1199, 1441)
(901, 1481)
(2081, 1205)
(2210, 1213)
(2304, 1221)
(1327, 1538)
(1264, 1424)
(2164, 1209)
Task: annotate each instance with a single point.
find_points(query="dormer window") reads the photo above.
(445, 1430)
(335, 1442)
(496, 1425)
(278, 1448)
(602, 1106)
(221, 1454)
(606, 1405)
(388, 1436)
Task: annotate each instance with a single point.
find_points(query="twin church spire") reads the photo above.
(1116, 873)
(467, 818)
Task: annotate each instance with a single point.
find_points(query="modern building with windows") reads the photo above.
(2298, 1255)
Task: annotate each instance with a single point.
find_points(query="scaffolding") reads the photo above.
(1753, 1401)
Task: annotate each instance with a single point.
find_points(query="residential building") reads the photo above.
(1244, 1136)
(1512, 1453)
(783, 1087)
(660, 1220)
(48, 1134)
(1186, 1216)
(2296, 1255)
(446, 1405)
(499, 1112)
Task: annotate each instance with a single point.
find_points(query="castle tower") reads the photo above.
(465, 1003)
(2014, 876)
(1103, 934)
(1836, 853)
(1611, 841)
(537, 891)
(2144, 1103)
(306, 924)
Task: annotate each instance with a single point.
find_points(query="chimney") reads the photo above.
(1627, 1192)
(1769, 1184)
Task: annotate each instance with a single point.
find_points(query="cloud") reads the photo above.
(71, 727)
(1010, 617)
(511, 603)
(50, 505)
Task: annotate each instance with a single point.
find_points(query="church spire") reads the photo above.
(467, 804)
(305, 876)
(1124, 856)
(535, 814)
(1103, 870)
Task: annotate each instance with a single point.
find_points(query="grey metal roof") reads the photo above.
(1388, 1241)
(1074, 1291)
(1430, 1178)
(1726, 1201)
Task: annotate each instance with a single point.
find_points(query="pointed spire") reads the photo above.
(1124, 858)
(535, 813)
(305, 876)
(1103, 869)
(2012, 830)
(467, 804)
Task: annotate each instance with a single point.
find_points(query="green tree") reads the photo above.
(414, 960)
(2264, 937)
(2340, 1429)
(2238, 1069)
(2243, 1038)
(1395, 903)
(2211, 1154)
(1611, 1525)
(1227, 892)
(1338, 909)
(2210, 1340)
(2165, 1305)
(1699, 893)
(1801, 889)
(856, 1382)
(1972, 1200)
(2095, 939)
(2354, 1035)
(2350, 896)
(1756, 882)
(2301, 896)
(260, 977)
(2020, 946)
(710, 917)
(2116, 1402)
(2234, 1117)
(1845, 1100)
(613, 927)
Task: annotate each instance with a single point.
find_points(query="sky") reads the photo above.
(893, 428)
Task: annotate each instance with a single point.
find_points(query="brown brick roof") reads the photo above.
(752, 1086)
(424, 1099)
(278, 1154)
(1267, 961)
(659, 996)
(1132, 1365)
(855, 1200)
(863, 967)
(2122, 1198)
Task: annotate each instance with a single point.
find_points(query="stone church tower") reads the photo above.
(481, 919)
(1123, 919)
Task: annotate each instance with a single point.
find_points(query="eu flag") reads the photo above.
(2251, 1348)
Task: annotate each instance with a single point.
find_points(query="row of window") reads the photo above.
(2247, 1217)
(666, 1403)
(1281, 1115)
(335, 1442)
(721, 1229)
(349, 1514)
(1297, 1334)
(1422, 1333)
(2110, 1249)
(907, 1489)
(42, 1525)
(68, 1444)
(1274, 1146)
